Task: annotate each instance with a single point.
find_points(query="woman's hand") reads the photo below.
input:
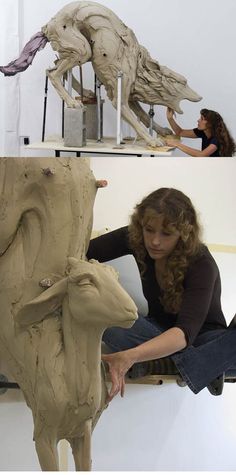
(170, 113)
(172, 142)
(119, 363)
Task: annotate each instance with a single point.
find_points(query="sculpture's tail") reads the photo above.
(36, 43)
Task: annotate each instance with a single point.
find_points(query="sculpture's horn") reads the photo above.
(73, 263)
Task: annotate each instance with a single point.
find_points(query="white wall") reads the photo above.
(193, 40)
(10, 87)
(209, 182)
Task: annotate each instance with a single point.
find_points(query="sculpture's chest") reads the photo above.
(74, 420)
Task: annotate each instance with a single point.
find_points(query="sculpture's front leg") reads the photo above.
(81, 448)
(128, 115)
(46, 448)
(145, 119)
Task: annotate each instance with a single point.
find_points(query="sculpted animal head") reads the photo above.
(95, 297)
(158, 84)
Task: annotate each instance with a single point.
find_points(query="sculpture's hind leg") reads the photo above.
(73, 49)
(81, 448)
(55, 75)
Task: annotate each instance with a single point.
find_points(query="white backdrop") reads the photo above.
(195, 40)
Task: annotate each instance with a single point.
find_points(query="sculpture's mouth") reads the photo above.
(129, 323)
(175, 105)
(178, 109)
(131, 319)
(189, 95)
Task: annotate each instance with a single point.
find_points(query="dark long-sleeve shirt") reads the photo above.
(201, 307)
(207, 141)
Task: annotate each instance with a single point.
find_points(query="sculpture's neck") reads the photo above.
(82, 361)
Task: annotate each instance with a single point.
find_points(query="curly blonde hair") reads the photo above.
(178, 215)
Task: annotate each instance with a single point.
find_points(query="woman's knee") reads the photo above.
(119, 339)
(115, 338)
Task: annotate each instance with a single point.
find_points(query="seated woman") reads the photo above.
(216, 139)
(181, 283)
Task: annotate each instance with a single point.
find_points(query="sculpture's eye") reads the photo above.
(87, 278)
(64, 27)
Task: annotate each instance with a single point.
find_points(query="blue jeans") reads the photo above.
(212, 354)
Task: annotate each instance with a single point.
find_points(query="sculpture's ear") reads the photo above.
(36, 310)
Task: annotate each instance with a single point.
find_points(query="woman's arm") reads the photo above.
(207, 152)
(188, 133)
(167, 343)
(109, 246)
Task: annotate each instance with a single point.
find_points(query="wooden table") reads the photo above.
(106, 147)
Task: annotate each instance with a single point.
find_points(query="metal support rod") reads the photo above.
(8, 385)
(95, 84)
(81, 84)
(5, 384)
(119, 93)
(45, 107)
(99, 114)
(63, 113)
(151, 115)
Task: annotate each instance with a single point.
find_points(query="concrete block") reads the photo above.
(74, 127)
(92, 120)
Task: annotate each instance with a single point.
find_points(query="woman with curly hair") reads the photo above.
(181, 283)
(216, 139)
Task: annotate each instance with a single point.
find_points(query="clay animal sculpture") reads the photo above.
(87, 31)
(50, 339)
(91, 299)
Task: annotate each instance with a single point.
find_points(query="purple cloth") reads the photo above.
(36, 43)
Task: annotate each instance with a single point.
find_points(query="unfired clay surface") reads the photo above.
(88, 31)
(54, 308)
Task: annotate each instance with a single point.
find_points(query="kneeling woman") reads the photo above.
(181, 284)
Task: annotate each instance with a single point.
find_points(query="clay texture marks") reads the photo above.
(73, 400)
(46, 215)
(55, 307)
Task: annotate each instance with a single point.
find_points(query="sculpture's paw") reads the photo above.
(158, 142)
